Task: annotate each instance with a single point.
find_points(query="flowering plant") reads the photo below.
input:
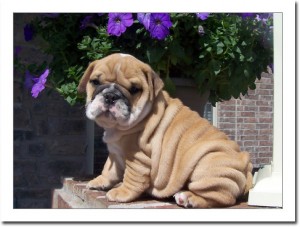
(223, 53)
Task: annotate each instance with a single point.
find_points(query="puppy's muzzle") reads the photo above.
(108, 99)
(111, 93)
(111, 97)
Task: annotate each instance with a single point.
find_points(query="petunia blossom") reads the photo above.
(245, 15)
(159, 25)
(202, 16)
(40, 84)
(144, 18)
(118, 23)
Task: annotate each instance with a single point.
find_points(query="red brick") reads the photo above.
(266, 120)
(266, 86)
(265, 149)
(229, 120)
(228, 108)
(265, 132)
(248, 137)
(227, 114)
(249, 132)
(264, 115)
(264, 137)
(247, 126)
(251, 143)
(247, 114)
(266, 108)
(263, 103)
(250, 108)
(226, 125)
(248, 102)
(263, 126)
(265, 143)
(239, 120)
(240, 108)
(264, 92)
(265, 80)
(265, 154)
(251, 120)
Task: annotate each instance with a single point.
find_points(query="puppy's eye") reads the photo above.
(95, 82)
(133, 90)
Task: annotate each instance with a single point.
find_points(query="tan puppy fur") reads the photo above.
(156, 144)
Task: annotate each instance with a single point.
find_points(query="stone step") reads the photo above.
(74, 194)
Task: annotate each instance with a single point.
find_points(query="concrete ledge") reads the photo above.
(75, 195)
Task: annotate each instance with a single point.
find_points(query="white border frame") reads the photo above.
(286, 214)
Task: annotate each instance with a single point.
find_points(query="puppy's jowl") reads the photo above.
(156, 144)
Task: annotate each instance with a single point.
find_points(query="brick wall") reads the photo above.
(250, 120)
(49, 135)
(49, 142)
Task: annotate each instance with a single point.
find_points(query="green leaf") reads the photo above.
(215, 66)
(220, 44)
(252, 86)
(246, 73)
(169, 86)
(219, 50)
(208, 49)
(154, 55)
(231, 54)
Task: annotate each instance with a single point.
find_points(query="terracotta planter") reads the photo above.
(187, 92)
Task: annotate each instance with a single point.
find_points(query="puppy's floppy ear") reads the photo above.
(155, 83)
(85, 78)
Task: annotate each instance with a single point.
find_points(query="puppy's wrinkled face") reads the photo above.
(109, 101)
(120, 90)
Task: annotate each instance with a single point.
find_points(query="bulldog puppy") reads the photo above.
(156, 144)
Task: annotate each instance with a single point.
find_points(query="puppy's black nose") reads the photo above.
(110, 98)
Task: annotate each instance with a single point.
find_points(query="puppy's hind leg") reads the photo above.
(188, 199)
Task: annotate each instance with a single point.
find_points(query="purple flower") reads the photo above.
(259, 18)
(263, 17)
(159, 25)
(118, 23)
(28, 32)
(144, 18)
(202, 16)
(245, 15)
(40, 84)
(85, 22)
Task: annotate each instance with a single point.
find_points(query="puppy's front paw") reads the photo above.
(99, 183)
(121, 194)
